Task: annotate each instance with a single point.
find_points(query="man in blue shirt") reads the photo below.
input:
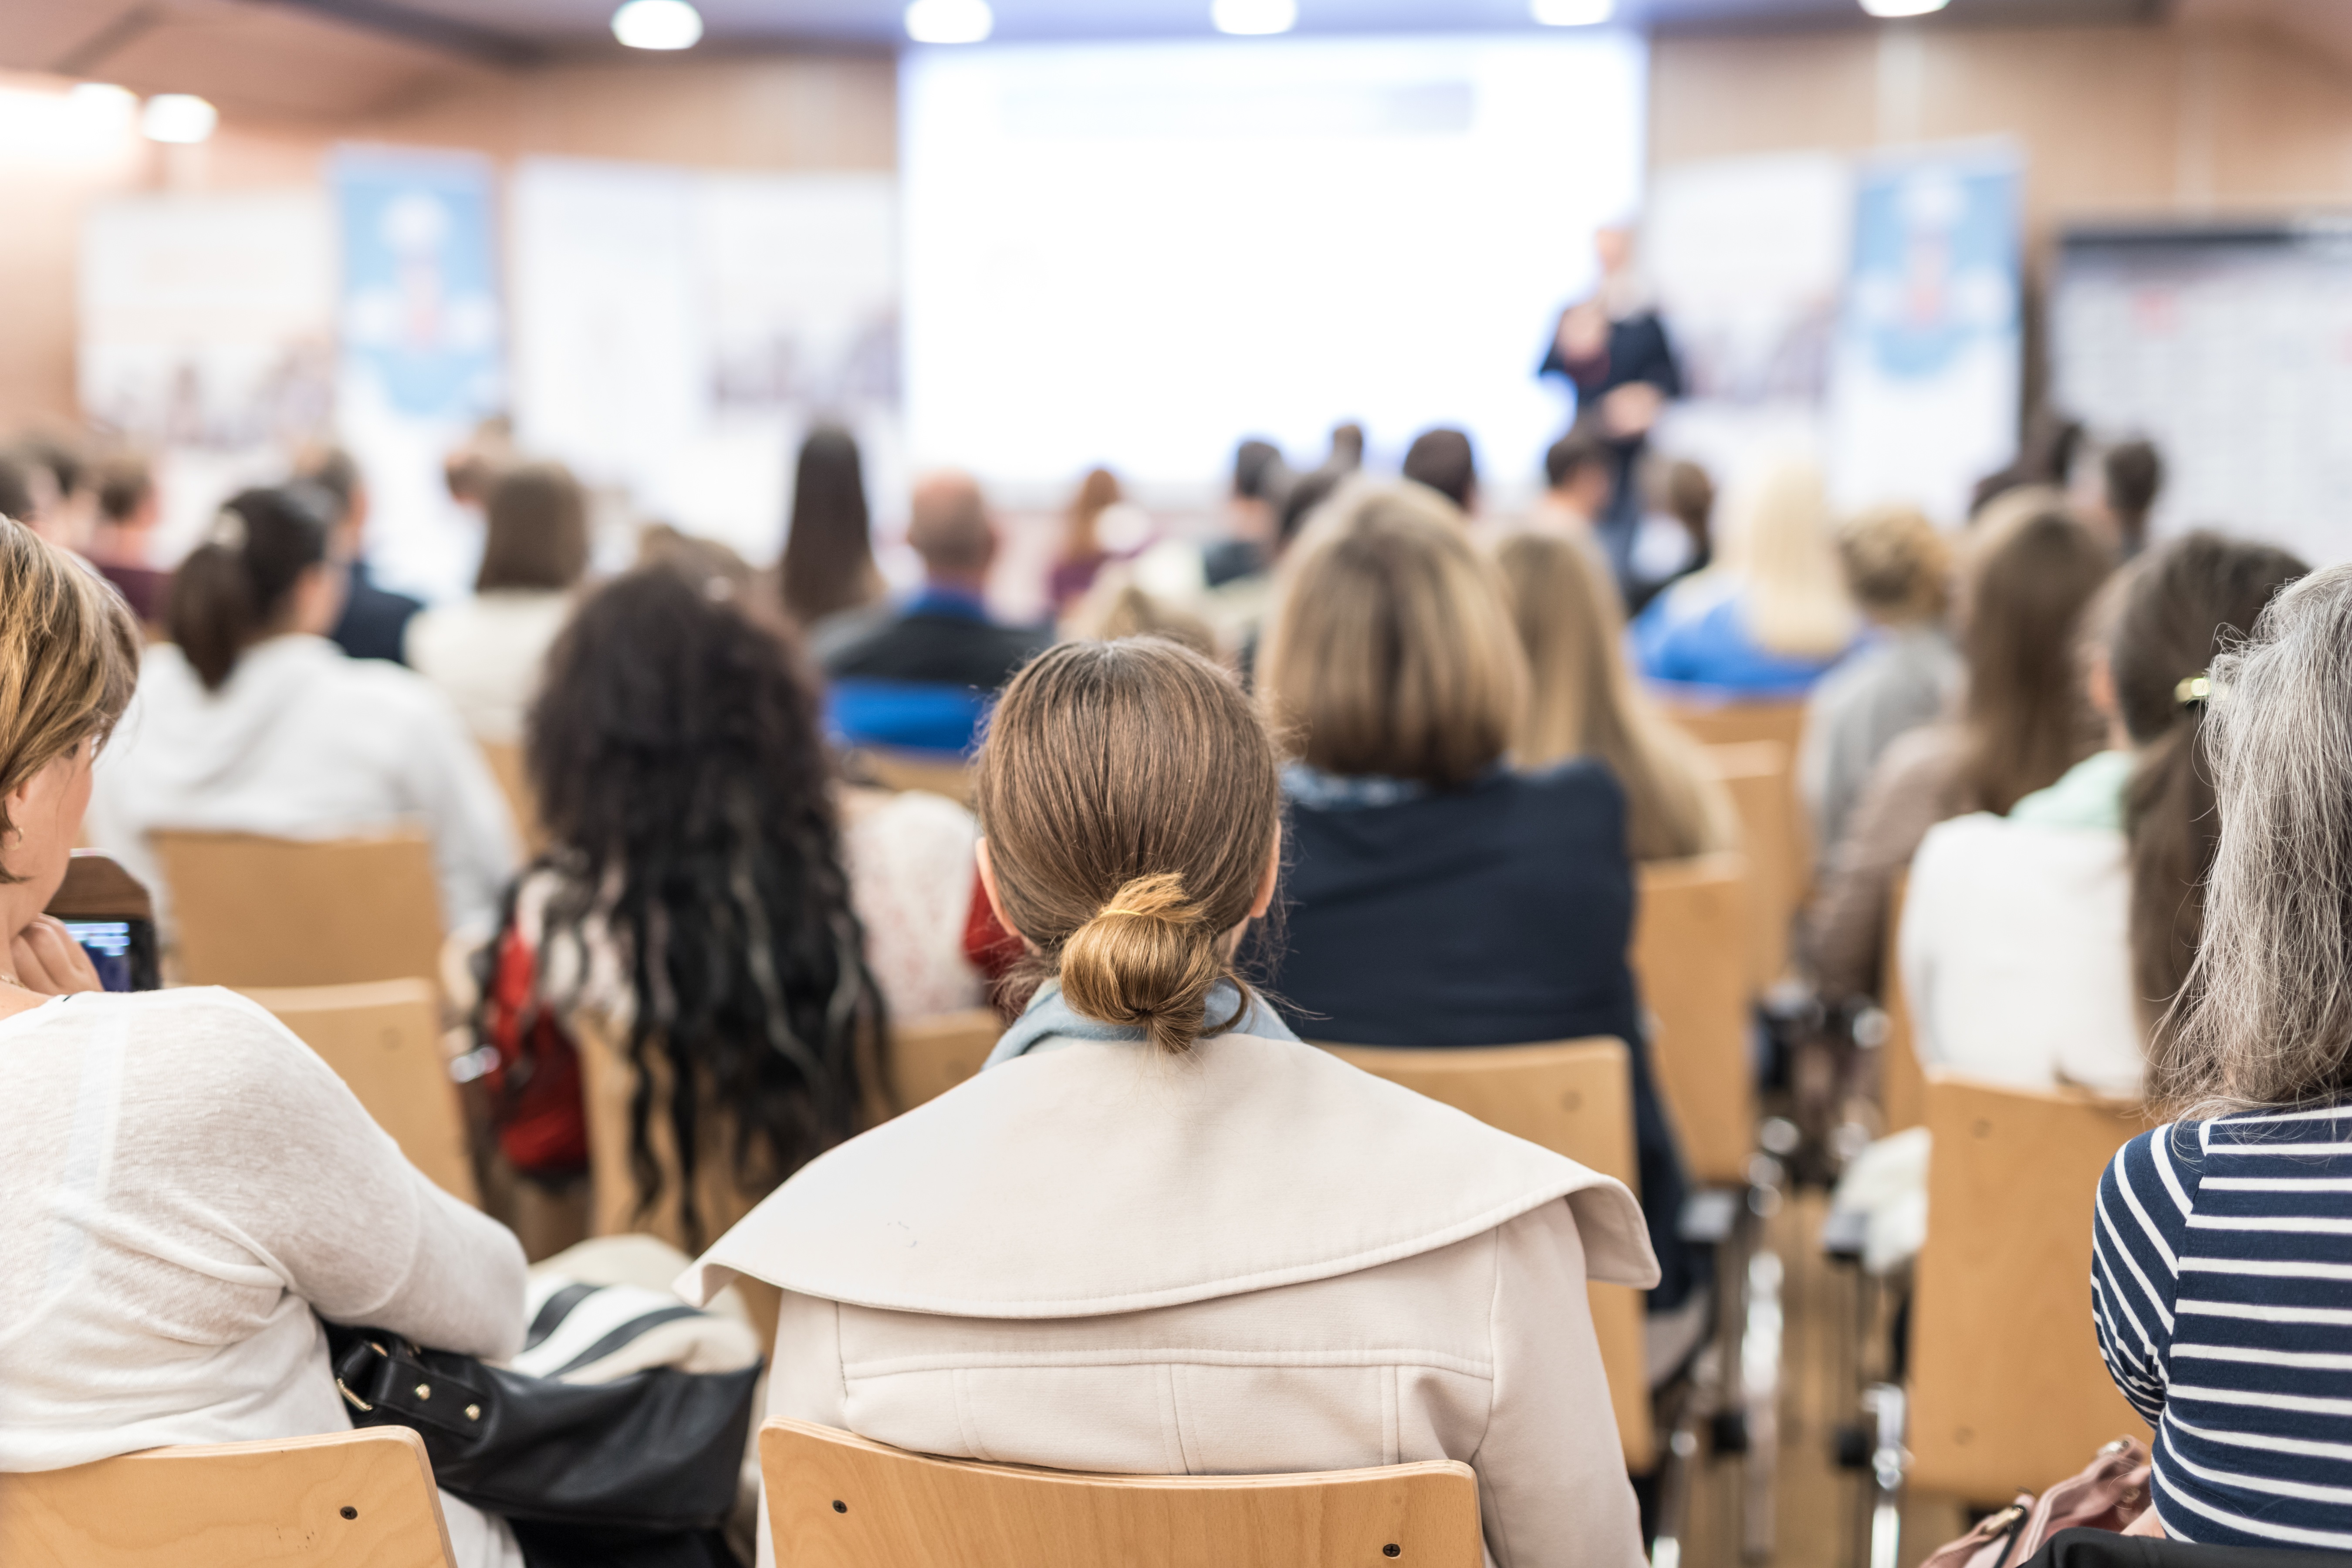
(920, 674)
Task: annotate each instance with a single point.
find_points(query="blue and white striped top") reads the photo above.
(2221, 1282)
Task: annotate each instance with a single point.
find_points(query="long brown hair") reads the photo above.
(1128, 795)
(1581, 702)
(2025, 724)
(828, 563)
(69, 659)
(536, 530)
(238, 585)
(1097, 493)
(2183, 605)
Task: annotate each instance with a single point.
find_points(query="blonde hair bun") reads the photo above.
(1146, 960)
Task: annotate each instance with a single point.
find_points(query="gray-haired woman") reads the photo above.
(2223, 1242)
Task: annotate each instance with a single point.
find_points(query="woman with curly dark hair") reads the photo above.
(692, 900)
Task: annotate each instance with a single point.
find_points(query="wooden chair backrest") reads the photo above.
(1690, 942)
(900, 770)
(1737, 723)
(835, 1501)
(1575, 1098)
(253, 911)
(97, 887)
(1761, 778)
(608, 1085)
(2008, 1390)
(382, 1037)
(348, 1499)
(928, 1057)
(505, 758)
(1902, 1080)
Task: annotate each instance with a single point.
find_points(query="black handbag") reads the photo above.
(654, 1452)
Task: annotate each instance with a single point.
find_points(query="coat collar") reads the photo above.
(1096, 1179)
(1049, 1019)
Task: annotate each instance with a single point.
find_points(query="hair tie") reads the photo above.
(2194, 691)
(228, 529)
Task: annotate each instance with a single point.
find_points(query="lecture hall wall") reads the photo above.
(2115, 122)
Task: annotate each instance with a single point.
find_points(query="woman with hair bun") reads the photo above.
(1158, 1235)
(249, 720)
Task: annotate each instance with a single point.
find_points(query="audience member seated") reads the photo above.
(2038, 948)
(2220, 1243)
(122, 545)
(1260, 477)
(56, 484)
(1443, 460)
(187, 1188)
(1676, 538)
(828, 561)
(1770, 616)
(1116, 607)
(1580, 478)
(16, 490)
(2020, 726)
(1153, 1187)
(1082, 553)
(920, 674)
(693, 894)
(485, 652)
(250, 720)
(375, 621)
(1899, 570)
(2133, 475)
(1434, 896)
(1581, 702)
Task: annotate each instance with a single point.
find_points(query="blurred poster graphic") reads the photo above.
(677, 332)
(1748, 258)
(422, 355)
(206, 337)
(1925, 379)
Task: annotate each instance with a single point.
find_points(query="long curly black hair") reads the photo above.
(684, 789)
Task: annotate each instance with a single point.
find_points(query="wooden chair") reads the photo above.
(1737, 723)
(928, 1057)
(835, 1501)
(2008, 1390)
(1690, 944)
(382, 1037)
(97, 887)
(253, 911)
(1575, 1098)
(348, 1499)
(1902, 1081)
(1761, 778)
(506, 762)
(890, 769)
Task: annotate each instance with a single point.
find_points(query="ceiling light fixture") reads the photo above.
(1571, 13)
(950, 21)
(657, 25)
(178, 117)
(1892, 8)
(1255, 18)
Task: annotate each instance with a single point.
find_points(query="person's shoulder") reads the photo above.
(212, 1033)
(1924, 755)
(1580, 780)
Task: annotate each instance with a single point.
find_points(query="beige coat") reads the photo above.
(1254, 1260)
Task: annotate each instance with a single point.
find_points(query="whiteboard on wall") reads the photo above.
(2231, 348)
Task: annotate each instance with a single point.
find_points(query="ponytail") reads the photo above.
(1149, 959)
(233, 589)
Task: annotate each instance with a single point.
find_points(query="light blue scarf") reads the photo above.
(1048, 1021)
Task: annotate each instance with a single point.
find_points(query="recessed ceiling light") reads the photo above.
(1903, 8)
(1254, 17)
(950, 21)
(1571, 13)
(177, 117)
(657, 25)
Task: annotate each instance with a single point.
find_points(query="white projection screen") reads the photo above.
(1136, 254)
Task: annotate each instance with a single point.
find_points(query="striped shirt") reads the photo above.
(2221, 1282)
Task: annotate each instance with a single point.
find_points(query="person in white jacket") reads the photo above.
(185, 1189)
(251, 720)
(1158, 1235)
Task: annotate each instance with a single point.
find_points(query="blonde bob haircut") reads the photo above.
(69, 659)
(1391, 651)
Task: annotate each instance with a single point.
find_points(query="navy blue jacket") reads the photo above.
(1496, 915)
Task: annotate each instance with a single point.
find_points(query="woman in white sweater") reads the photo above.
(186, 1187)
(251, 720)
(1158, 1234)
(2040, 948)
